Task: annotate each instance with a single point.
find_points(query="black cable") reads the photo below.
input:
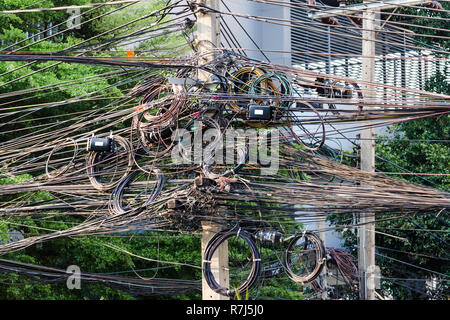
(255, 258)
(115, 202)
(94, 159)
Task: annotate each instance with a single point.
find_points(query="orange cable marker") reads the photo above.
(130, 53)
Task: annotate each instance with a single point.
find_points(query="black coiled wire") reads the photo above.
(115, 200)
(94, 159)
(211, 248)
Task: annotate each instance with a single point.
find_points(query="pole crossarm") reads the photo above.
(352, 9)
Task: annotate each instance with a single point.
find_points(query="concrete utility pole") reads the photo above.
(321, 225)
(208, 35)
(208, 38)
(367, 219)
(219, 263)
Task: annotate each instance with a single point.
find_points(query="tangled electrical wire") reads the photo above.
(344, 262)
(152, 159)
(135, 286)
(303, 259)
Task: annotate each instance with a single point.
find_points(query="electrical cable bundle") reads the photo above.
(198, 125)
(345, 265)
(154, 131)
(252, 258)
(267, 84)
(238, 93)
(211, 165)
(155, 138)
(251, 80)
(59, 171)
(121, 154)
(325, 152)
(304, 257)
(241, 82)
(311, 140)
(117, 195)
(144, 89)
(337, 90)
(137, 285)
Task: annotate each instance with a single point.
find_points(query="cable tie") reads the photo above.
(206, 261)
(239, 231)
(256, 260)
(303, 234)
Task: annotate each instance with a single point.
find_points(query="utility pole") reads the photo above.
(208, 38)
(367, 219)
(321, 225)
(208, 35)
(219, 263)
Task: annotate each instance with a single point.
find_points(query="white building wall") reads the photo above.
(267, 36)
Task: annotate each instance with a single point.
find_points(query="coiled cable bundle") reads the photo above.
(155, 137)
(51, 174)
(154, 131)
(103, 168)
(117, 195)
(212, 161)
(304, 257)
(144, 87)
(249, 258)
(241, 82)
(199, 125)
(272, 84)
(309, 139)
